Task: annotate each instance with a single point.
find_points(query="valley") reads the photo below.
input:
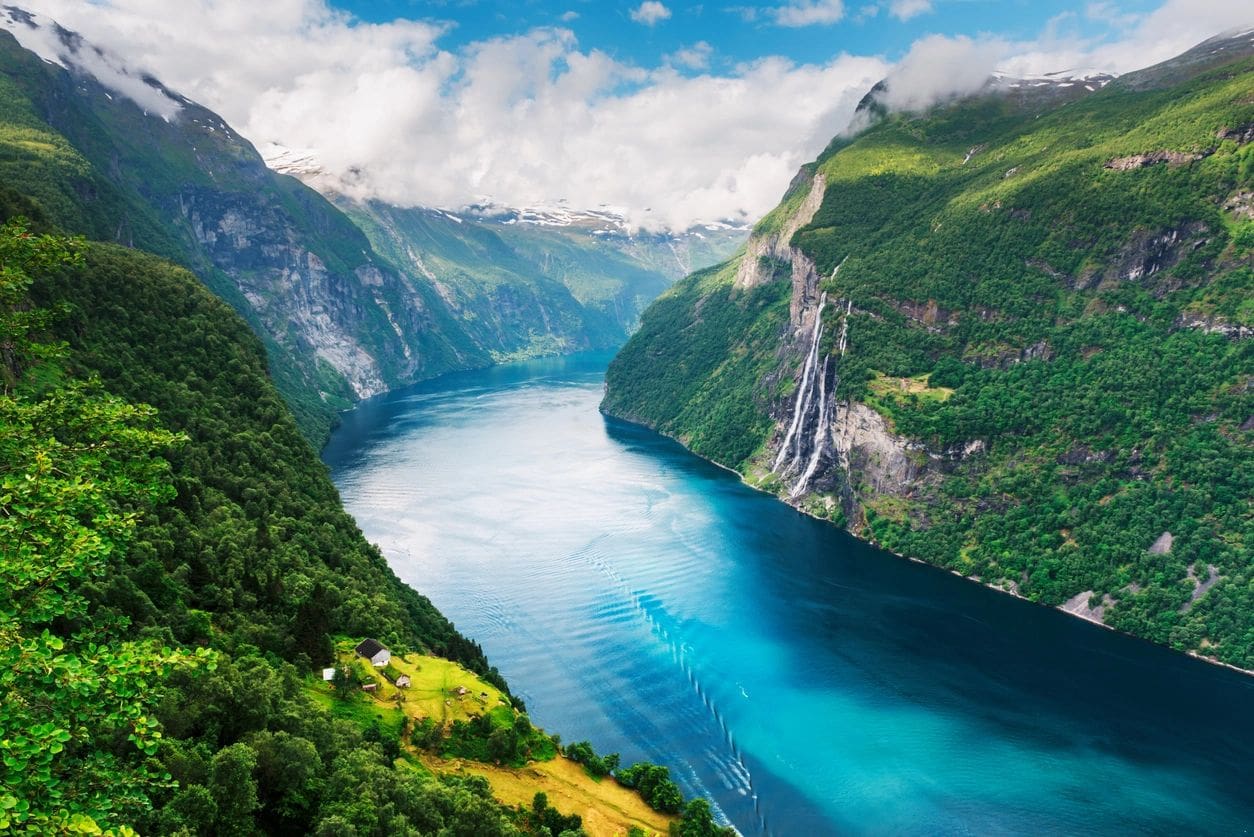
(451, 442)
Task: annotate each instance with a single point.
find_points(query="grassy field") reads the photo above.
(436, 691)
(607, 808)
(439, 688)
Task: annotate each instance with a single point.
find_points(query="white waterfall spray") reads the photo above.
(844, 329)
(813, 385)
(803, 392)
(822, 430)
(826, 418)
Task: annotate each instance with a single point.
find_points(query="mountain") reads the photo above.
(113, 154)
(528, 281)
(1008, 336)
(178, 567)
(153, 170)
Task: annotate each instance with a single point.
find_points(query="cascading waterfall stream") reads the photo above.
(822, 429)
(791, 449)
(825, 418)
(803, 392)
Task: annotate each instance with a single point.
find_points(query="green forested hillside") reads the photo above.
(523, 283)
(237, 547)
(337, 320)
(1048, 378)
(176, 564)
(508, 304)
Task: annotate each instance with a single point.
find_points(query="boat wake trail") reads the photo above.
(724, 760)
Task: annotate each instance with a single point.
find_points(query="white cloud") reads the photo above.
(906, 9)
(695, 57)
(535, 117)
(650, 13)
(808, 12)
(938, 67)
(1140, 40)
(569, 16)
(524, 119)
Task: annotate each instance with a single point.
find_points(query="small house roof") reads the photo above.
(369, 647)
(328, 674)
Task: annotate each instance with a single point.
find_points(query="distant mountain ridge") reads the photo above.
(528, 280)
(1010, 336)
(115, 155)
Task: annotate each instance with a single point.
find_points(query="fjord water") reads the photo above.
(639, 597)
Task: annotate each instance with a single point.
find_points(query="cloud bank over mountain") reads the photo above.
(536, 117)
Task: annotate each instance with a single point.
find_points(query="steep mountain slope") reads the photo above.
(172, 178)
(174, 579)
(507, 302)
(1009, 336)
(527, 281)
(251, 557)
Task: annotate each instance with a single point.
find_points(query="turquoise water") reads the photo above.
(807, 683)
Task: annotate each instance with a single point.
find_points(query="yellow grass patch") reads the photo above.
(606, 807)
(885, 385)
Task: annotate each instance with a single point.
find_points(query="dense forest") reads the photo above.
(1049, 296)
(176, 565)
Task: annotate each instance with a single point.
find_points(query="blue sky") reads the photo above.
(740, 32)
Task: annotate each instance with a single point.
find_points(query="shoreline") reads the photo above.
(741, 477)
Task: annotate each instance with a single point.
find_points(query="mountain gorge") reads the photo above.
(538, 282)
(345, 314)
(178, 323)
(1009, 336)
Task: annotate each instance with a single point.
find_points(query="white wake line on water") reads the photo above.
(734, 772)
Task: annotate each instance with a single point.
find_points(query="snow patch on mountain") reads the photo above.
(1089, 79)
(603, 220)
(57, 45)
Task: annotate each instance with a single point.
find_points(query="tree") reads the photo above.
(345, 681)
(503, 745)
(698, 821)
(234, 788)
(77, 469)
(288, 779)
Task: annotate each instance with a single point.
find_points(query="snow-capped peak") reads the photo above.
(298, 162)
(57, 45)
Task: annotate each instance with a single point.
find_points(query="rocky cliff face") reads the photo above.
(770, 246)
(340, 323)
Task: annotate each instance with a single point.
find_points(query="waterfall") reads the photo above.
(803, 391)
(795, 449)
(844, 330)
(792, 453)
(822, 431)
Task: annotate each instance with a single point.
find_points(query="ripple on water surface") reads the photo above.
(638, 597)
